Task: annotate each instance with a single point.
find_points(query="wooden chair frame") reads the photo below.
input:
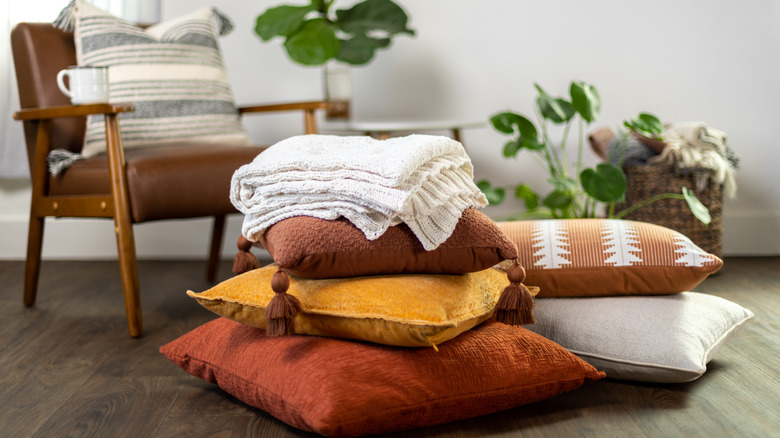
(115, 205)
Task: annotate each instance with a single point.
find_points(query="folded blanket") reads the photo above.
(696, 145)
(425, 181)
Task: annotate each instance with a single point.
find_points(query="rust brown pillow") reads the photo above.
(607, 257)
(316, 248)
(344, 388)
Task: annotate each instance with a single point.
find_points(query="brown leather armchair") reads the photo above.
(132, 186)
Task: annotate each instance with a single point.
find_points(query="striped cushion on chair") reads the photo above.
(172, 71)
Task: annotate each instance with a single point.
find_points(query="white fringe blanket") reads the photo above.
(425, 181)
(694, 144)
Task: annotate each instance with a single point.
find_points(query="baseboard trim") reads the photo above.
(745, 234)
(94, 239)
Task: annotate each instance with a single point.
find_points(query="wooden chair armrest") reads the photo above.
(55, 112)
(308, 108)
(294, 106)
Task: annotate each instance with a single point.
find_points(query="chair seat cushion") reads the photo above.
(164, 182)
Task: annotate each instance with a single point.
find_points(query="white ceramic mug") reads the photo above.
(88, 84)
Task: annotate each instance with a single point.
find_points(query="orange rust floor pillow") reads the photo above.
(607, 257)
(344, 388)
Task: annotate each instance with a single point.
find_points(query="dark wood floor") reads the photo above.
(68, 368)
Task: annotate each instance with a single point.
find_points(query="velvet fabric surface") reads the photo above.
(607, 257)
(413, 310)
(316, 248)
(345, 388)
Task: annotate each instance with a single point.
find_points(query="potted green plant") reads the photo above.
(316, 33)
(577, 191)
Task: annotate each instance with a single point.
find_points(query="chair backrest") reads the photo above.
(40, 51)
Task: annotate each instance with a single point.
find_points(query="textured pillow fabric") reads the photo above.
(665, 339)
(607, 257)
(404, 310)
(343, 388)
(317, 248)
(172, 72)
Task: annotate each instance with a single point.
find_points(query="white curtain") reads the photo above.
(13, 155)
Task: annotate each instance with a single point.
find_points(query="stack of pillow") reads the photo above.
(617, 294)
(378, 247)
(347, 219)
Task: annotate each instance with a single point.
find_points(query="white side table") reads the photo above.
(384, 129)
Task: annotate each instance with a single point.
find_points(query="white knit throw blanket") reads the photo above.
(422, 180)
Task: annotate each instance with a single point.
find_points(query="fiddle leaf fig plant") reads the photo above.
(314, 34)
(576, 191)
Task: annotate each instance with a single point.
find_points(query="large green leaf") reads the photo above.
(532, 144)
(558, 199)
(374, 15)
(494, 195)
(605, 183)
(586, 100)
(507, 121)
(556, 110)
(357, 50)
(528, 195)
(380, 43)
(646, 124)
(563, 183)
(698, 209)
(504, 122)
(314, 43)
(280, 21)
(512, 147)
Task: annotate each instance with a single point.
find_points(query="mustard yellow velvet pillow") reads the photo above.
(412, 310)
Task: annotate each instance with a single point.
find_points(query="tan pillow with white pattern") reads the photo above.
(607, 257)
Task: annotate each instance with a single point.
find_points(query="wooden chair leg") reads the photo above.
(128, 265)
(217, 231)
(32, 265)
(128, 268)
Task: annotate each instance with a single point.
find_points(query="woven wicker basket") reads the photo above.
(651, 180)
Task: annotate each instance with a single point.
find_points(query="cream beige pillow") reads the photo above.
(664, 339)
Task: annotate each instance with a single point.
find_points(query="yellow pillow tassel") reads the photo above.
(516, 303)
(244, 260)
(281, 310)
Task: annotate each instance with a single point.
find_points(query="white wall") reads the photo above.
(716, 61)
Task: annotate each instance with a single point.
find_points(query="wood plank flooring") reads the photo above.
(69, 369)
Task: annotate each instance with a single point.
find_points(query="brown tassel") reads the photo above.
(516, 303)
(281, 310)
(244, 261)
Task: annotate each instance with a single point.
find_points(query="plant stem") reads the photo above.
(621, 214)
(548, 149)
(565, 163)
(579, 155)
(322, 6)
